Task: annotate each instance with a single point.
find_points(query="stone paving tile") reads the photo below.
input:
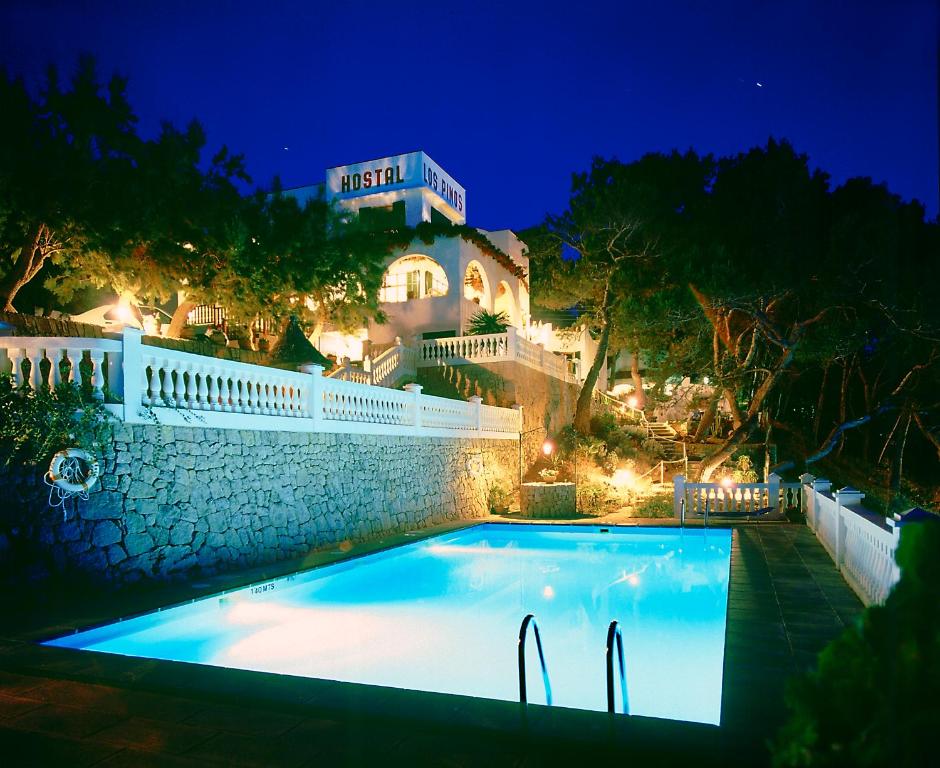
(13, 685)
(73, 722)
(254, 751)
(117, 701)
(154, 735)
(135, 758)
(14, 706)
(240, 720)
(27, 749)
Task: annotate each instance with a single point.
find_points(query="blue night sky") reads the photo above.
(510, 98)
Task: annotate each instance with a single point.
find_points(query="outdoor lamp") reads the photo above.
(548, 447)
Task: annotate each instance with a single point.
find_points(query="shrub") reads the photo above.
(654, 506)
(36, 424)
(872, 700)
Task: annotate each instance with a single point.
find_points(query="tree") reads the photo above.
(62, 156)
(606, 253)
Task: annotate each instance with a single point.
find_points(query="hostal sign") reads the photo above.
(408, 171)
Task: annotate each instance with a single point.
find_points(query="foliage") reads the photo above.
(743, 470)
(34, 425)
(498, 498)
(654, 506)
(872, 700)
(294, 348)
(601, 254)
(483, 323)
(81, 190)
(548, 475)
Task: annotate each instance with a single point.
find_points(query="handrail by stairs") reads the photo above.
(614, 635)
(523, 630)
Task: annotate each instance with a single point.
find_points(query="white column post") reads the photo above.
(512, 342)
(521, 423)
(845, 497)
(314, 393)
(132, 364)
(819, 486)
(773, 491)
(477, 402)
(678, 494)
(415, 389)
(806, 482)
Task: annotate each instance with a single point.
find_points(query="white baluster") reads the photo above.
(55, 371)
(146, 387)
(16, 372)
(251, 397)
(179, 390)
(192, 388)
(97, 374)
(35, 374)
(167, 386)
(202, 388)
(225, 393)
(213, 390)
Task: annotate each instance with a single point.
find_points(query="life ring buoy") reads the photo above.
(64, 471)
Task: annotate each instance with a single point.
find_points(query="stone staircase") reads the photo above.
(665, 437)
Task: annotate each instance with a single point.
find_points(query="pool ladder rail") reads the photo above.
(615, 638)
(523, 632)
(614, 643)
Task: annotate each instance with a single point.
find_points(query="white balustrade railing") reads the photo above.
(493, 348)
(180, 380)
(463, 349)
(861, 543)
(173, 387)
(392, 365)
(42, 362)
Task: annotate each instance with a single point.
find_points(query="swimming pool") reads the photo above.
(443, 614)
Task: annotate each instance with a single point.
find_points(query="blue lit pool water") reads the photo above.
(443, 614)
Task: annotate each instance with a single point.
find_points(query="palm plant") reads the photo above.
(484, 322)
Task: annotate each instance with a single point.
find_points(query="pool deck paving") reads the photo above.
(64, 707)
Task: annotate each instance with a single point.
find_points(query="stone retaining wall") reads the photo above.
(178, 501)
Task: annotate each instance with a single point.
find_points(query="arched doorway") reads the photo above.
(476, 286)
(504, 301)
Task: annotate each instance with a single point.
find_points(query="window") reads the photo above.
(383, 217)
(414, 284)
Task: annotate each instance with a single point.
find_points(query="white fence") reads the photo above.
(493, 348)
(861, 543)
(178, 388)
(733, 499)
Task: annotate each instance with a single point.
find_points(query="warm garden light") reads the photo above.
(622, 478)
(548, 447)
(727, 482)
(632, 401)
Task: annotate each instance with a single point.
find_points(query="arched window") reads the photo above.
(476, 287)
(415, 276)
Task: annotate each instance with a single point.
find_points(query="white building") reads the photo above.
(429, 290)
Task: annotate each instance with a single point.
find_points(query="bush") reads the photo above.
(34, 425)
(654, 506)
(872, 700)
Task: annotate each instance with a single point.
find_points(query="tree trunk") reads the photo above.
(178, 320)
(736, 419)
(708, 418)
(582, 413)
(817, 417)
(24, 269)
(737, 438)
(843, 401)
(637, 378)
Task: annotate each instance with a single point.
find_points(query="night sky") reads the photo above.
(510, 98)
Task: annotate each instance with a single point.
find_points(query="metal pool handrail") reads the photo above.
(530, 619)
(614, 633)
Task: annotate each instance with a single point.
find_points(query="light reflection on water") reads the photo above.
(444, 614)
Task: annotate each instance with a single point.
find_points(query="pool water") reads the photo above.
(443, 614)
